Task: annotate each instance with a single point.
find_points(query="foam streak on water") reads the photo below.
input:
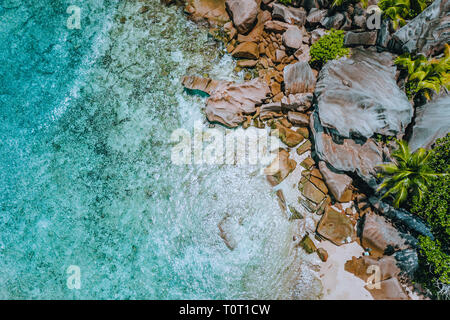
(94, 186)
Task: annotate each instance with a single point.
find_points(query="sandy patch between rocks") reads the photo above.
(339, 284)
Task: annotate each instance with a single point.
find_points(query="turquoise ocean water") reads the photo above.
(85, 172)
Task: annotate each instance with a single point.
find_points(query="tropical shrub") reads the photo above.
(434, 208)
(328, 47)
(401, 10)
(425, 76)
(438, 261)
(408, 175)
(338, 3)
(440, 159)
(434, 256)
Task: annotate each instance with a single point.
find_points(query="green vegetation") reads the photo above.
(384, 139)
(410, 174)
(425, 76)
(434, 208)
(401, 10)
(329, 47)
(285, 1)
(338, 3)
(436, 259)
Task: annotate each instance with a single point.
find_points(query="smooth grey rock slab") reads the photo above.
(428, 32)
(359, 95)
(432, 122)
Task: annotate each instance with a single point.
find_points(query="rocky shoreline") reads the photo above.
(328, 119)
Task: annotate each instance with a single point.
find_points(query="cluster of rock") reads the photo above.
(355, 98)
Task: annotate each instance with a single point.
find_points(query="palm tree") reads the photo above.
(408, 174)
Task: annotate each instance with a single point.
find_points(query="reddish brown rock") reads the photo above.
(246, 63)
(336, 227)
(225, 227)
(308, 245)
(279, 55)
(307, 163)
(289, 15)
(212, 11)
(297, 102)
(144, 9)
(304, 132)
(278, 97)
(391, 289)
(298, 119)
(276, 26)
(202, 84)
(304, 147)
(243, 13)
(361, 267)
(319, 184)
(281, 199)
(323, 254)
(229, 102)
(270, 110)
(378, 234)
(256, 34)
(285, 122)
(299, 78)
(288, 136)
(311, 192)
(339, 184)
(246, 50)
(275, 88)
(281, 166)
